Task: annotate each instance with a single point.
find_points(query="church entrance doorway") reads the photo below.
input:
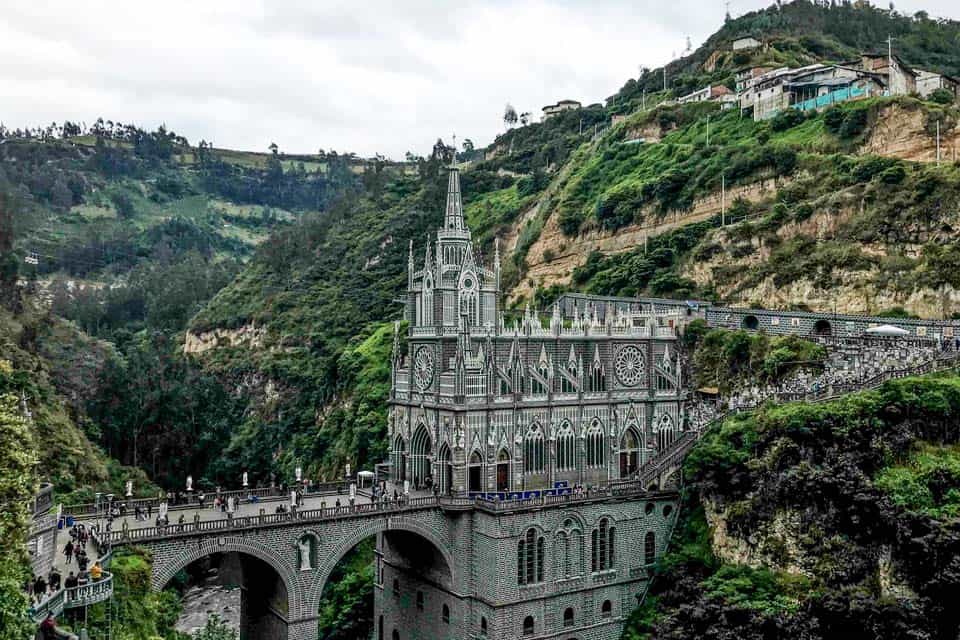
(475, 472)
(629, 454)
(503, 471)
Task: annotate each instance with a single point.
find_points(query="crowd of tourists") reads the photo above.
(848, 366)
(41, 587)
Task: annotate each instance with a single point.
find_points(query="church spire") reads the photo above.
(453, 219)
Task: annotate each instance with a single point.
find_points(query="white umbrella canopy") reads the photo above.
(887, 330)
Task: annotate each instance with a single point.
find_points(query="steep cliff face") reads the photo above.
(819, 521)
(552, 259)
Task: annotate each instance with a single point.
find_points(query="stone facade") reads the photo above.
(573, 598)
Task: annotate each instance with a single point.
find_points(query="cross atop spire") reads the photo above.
(453, 219)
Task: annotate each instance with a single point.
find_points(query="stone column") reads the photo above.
(303, 629)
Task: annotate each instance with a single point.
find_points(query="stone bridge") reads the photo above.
(459, 550)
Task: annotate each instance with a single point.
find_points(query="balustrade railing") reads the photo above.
(73, 597)
(192, 501)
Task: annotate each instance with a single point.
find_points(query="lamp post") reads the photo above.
(96, 507)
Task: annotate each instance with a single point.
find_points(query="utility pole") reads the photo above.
(890, 65)
(723, 200)
(643, 103)
(938, 143)
(708, 130)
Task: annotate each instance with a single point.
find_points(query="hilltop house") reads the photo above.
(766, 95)
(900, 78)
(564, 105)
(713, 93)
(928, 82)
(820, 88)
(744, 43)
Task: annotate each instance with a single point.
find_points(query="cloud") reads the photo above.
(369, 77)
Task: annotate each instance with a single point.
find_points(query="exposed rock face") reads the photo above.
(779, 545)
(774, 545)
(249, 336)
(850, 291)
(902, 133)
(569, 253)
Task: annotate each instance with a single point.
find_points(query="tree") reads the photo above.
(216, 629)
(467, 145)
(525, 118)
(509, 116)
(942, 96)
(17, 485)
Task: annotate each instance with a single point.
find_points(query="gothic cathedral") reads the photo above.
(486, 404)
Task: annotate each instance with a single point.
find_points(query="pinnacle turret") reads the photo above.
(453, 219)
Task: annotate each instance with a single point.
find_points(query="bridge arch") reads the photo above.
(189, 553)
(361, 533)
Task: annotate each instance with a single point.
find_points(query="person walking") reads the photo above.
(68, 551)
(54, 579)
(39, 588)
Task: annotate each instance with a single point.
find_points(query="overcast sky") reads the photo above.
(363, 76)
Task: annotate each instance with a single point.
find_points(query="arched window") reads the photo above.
(427, 301)
(396, 635)
(530, 558)
(595, 445)
(533, 450)
(483, 626)
(612, 534)
(566, 448)
(650, 548)
(598, 379)
(601, 554)
(445, 615)
(562, 555)
(666, 433)
(536, 386)
(528, 626)
(568, 617)
(421, 451)
(606, 609)
(517, 377)
(540, 559)
(420, 600)
(380, 628)
(504, 388)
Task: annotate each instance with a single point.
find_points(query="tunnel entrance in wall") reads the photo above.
(822, 328)
(244, 591)
(751, 323)
(393, 584)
